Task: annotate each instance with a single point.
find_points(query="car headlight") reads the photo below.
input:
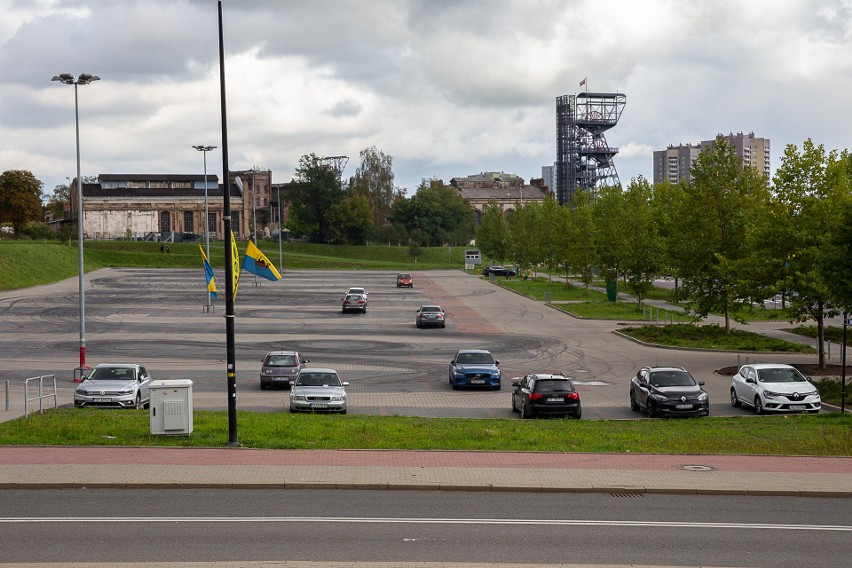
(81, 392)
(125, 393)
(702, 397)
(814, 393)
(659, 397)
(337, 398)
(770, 394)
(297, 397)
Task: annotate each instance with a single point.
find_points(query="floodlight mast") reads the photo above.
(83, 79)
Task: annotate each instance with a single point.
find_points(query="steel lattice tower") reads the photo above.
(584, 159)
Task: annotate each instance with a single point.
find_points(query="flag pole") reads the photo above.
(229, 260)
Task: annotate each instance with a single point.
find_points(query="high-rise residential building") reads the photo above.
(673, 163)
(754, 151)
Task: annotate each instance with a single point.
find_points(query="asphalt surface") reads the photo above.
(157, 317)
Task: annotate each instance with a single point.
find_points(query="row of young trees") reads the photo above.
(728, 236)
(370, 208)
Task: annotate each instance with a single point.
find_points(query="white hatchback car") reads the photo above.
(768, 387)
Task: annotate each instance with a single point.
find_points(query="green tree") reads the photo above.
(20, 199)
(315, 190)
(641, 261)
(492, 233)
(374, 181)
(810, 189)
(351, 220)
(525, 235)
(581, 248)
(57, 202)
(713, 222)
(838, 259)
(611, 227)
(436, 212)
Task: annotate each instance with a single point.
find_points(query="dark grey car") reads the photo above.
(280, 368)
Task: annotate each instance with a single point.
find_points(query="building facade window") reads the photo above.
(187, 221)
(165, 222)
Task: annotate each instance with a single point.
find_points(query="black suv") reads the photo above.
(545, 393)
(668, 391)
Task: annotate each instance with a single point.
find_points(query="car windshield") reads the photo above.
(553, 385)
(780, 375)
(475, 359)
(430, 309)
(672, 379)
(405, 275)
(318, 380)
(281, 361)
(110, 373)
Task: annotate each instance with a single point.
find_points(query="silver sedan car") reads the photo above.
(318, 390)
(117, 385)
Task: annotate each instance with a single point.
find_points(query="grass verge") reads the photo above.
(823, 434)
(712, 337)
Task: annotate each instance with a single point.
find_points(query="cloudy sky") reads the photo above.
(448, 88)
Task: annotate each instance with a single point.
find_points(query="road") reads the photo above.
(155, 316)
(113, 526)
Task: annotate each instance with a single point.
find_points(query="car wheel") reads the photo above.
(633, 404)
(263, 386)
(514, 408)
(138, 404)
(649, 409)
(443, 326)
(758, 406)
(579, 414)
(526, 412)
(735, 402)
(418, 325)
(498, 387)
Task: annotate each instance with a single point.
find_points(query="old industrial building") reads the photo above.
(506, 190)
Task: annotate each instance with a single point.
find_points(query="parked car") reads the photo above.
(318, 390)
(354, 303)
(116, 385)
(430, 316)
(768, 387)
(474, 368)
(281, 368)
(404, 280)
(497, 270)
(545, 394)
(668, 391)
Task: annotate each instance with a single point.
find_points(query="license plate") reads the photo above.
(797, 407)
(554, 399)
(319, 406)
(477, 382)
(102, 399)
(281, 379)
(683, 406)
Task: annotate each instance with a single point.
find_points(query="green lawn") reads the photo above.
(711, 337)
(823, 434)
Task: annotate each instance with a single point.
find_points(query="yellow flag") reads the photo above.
(235, 267)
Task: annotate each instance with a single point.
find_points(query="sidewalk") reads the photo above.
(26, 467)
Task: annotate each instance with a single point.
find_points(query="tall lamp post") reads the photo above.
(204, 150)
(83, 79)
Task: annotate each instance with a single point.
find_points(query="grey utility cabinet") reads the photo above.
(171, 408)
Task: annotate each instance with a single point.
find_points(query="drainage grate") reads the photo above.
(697, 467)
(625, 494)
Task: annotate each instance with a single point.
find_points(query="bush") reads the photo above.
(37, 230)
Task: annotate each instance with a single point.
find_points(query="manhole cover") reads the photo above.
(695, 467)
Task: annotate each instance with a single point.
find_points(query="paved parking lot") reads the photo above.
(156, 317)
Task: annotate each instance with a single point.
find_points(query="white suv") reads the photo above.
(770, 387)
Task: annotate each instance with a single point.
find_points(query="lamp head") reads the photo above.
(85, 78)
(202, 148)
(66, 78)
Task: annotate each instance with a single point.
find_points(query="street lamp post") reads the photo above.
(254, 216)
(204, 150)
(83, 79)
(280, 230)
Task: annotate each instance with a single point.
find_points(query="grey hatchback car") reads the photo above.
(280, 368)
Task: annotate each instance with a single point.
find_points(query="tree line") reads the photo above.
(730, 237)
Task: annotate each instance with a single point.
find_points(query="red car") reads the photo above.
(404, 281)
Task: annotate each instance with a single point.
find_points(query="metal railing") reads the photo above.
(41, 396)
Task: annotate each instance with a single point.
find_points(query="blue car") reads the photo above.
(474, 368)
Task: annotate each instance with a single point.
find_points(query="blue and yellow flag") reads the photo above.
(256, 262)
(208, 273)
(235, 267)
